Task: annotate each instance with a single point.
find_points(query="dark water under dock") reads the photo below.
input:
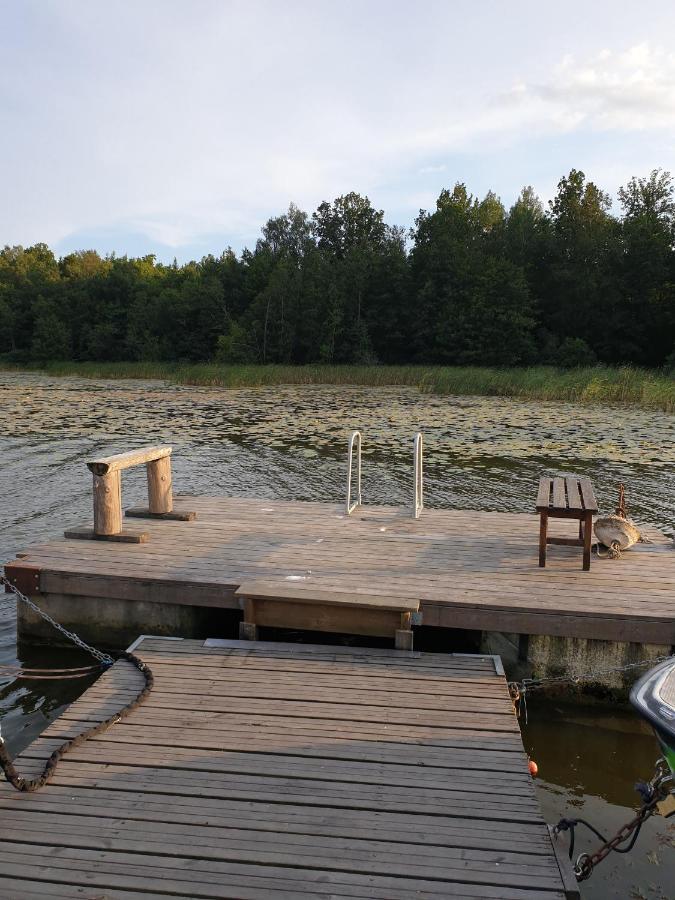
(289, 443)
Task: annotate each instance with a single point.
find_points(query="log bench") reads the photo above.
(107, 474)
(310, 606)
(566, 497)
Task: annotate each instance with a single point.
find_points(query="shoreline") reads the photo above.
(648, 389)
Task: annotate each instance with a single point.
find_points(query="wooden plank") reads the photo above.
(573, 490)
(559, 498)
(148, 807)
(544, 493)
(301, 591)
(588, 495)
(107, 464)
(241, 881)
(570, 884)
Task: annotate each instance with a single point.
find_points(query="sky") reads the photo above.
(179, 128)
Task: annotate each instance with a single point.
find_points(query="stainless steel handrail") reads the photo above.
(418, 475)
(350, 505)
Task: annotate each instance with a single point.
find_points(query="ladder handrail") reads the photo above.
(418, 468)
(349, 505)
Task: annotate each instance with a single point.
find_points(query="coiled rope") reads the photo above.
(105, 660)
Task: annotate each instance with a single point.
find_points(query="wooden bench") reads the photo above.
(567, 497)
(107, 473)
(311, 606)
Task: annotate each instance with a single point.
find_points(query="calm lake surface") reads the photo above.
(290, 443)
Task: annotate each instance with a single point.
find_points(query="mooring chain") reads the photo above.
(105, 660)
(656, 791)
(519, 689)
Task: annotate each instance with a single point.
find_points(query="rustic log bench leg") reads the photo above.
(248, 630)
(403, 639)
(543, 526)
(588, 531)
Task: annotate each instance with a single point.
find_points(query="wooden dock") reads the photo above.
(287, 771)
(466, 569)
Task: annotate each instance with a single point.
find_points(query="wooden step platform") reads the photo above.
(287, 771)
(311, 607)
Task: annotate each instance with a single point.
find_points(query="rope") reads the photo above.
(105, 660)
(33, 784)
(621, 507)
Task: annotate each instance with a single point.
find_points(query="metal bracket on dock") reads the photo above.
(350, 505)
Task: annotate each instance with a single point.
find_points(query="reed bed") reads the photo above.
(597, 384)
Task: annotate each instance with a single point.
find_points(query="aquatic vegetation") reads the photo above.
(650, 389)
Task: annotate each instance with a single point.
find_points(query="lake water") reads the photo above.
(290, 443)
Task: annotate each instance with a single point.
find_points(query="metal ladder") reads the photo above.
(418, 474)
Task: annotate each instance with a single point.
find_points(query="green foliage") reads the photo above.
(575, 352)
(580, 384)
(472, 284)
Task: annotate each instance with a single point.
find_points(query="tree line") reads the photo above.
(470, 283)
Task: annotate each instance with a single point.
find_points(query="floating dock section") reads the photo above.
(464, 569)
(260, 770)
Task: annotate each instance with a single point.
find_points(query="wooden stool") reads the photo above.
(566, 498)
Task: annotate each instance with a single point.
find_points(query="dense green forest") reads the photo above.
(470, 284)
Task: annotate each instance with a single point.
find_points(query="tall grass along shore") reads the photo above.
(595, 384)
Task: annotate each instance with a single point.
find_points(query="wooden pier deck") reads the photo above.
(467, 569)
(285, 771)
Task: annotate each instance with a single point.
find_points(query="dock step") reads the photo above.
(311, 606)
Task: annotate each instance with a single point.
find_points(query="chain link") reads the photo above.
(657, 790)
(528, 684)
(103, 658)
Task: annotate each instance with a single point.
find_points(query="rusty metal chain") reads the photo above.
(103, 658)
(657, 790)
(586, 862)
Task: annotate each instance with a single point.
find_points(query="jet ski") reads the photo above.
(653, 696)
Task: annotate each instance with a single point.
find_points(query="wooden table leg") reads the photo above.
(588, 531)
(543, 525)
(403, 639)
(248, 629)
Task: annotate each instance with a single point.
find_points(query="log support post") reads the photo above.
(160, 498)
(108, 504)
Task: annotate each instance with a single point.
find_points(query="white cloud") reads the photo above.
(179, 121)
(629, 91)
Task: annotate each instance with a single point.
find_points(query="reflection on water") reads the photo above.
(290, 443)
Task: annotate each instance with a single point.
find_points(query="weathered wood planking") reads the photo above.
(369, 774)
(476, 570)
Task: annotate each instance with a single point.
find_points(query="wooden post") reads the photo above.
(248, 629)
(403, 638)
(108, 503)
(160, 498)
(543, 526)
(588, 530)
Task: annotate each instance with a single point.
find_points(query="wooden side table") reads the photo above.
(566, 497)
